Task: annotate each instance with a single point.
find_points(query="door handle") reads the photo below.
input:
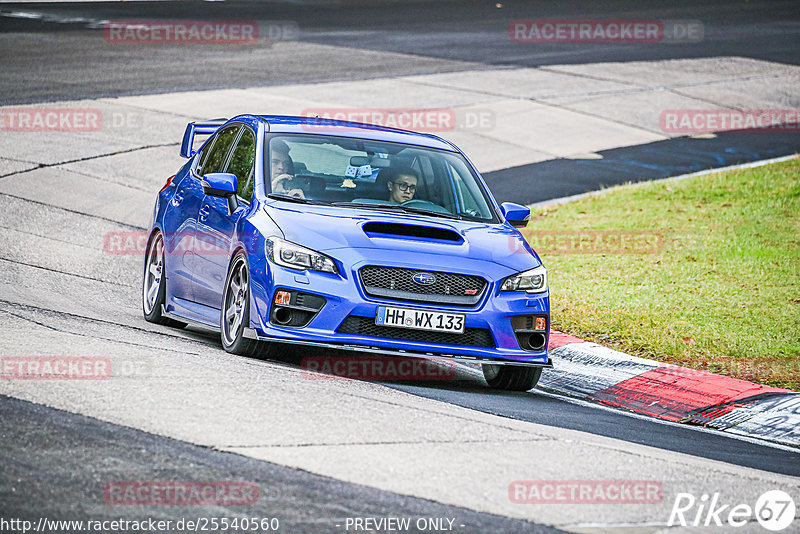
(178, 198)
(204, 213)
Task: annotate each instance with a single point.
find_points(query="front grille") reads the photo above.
(397, 283)
(365, 326)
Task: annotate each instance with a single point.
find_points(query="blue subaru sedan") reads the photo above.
(345, 236)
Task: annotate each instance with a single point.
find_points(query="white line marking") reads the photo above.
(59, 19)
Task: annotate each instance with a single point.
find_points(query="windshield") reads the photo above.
(375, 174)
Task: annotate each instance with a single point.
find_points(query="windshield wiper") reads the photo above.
(396, 207)
(288, 198)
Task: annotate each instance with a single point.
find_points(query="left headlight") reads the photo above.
(294, 256)
(532, 281)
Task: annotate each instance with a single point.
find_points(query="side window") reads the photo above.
(242, 163)
(216, 158)
(202, 156)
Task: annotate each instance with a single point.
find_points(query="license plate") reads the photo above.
(420, 319)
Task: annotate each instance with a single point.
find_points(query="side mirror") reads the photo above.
(516, 214)
(222, 185)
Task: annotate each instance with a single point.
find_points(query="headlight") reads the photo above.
(533, 281)
(294, 256)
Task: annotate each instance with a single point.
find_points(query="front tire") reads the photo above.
(511, 377)
(154, 283)
(235, 312)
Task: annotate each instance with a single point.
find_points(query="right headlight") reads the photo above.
(294, 256)
(531, 281)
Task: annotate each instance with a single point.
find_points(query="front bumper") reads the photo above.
(251, 333)
(344, 297)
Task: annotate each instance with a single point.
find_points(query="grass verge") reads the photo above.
(703, 272)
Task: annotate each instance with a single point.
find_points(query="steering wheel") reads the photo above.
(426, 205)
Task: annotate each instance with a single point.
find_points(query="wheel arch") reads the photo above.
(236, 250)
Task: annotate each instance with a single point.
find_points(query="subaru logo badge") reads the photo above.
(424, 279)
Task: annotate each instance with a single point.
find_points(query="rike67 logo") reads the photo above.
(774, 510)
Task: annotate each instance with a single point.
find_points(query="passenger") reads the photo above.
(401, 182)
(282, 168)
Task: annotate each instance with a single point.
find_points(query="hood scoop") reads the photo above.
(411, 231)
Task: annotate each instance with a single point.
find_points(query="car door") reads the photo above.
(216, 226)
(180, 226)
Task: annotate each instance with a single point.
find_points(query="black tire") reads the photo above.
(238, 300)
(511, 377)
(154, 283)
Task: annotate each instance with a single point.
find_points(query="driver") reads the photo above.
(402, 184)
(282, 168)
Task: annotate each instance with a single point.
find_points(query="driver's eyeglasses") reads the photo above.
(285, 162)
(406, 187)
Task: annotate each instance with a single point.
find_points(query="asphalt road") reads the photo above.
(348, 40)
(44, 468)
(552, 410)
(57, 465)
(557, 178)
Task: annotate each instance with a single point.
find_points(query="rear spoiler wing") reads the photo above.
(199, 127)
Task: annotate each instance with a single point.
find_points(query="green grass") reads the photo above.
(718, 287)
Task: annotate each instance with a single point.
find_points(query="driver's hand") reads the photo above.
(296, 193)
(279, 186)
(279, 183)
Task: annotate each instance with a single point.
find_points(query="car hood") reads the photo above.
(327, 228)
